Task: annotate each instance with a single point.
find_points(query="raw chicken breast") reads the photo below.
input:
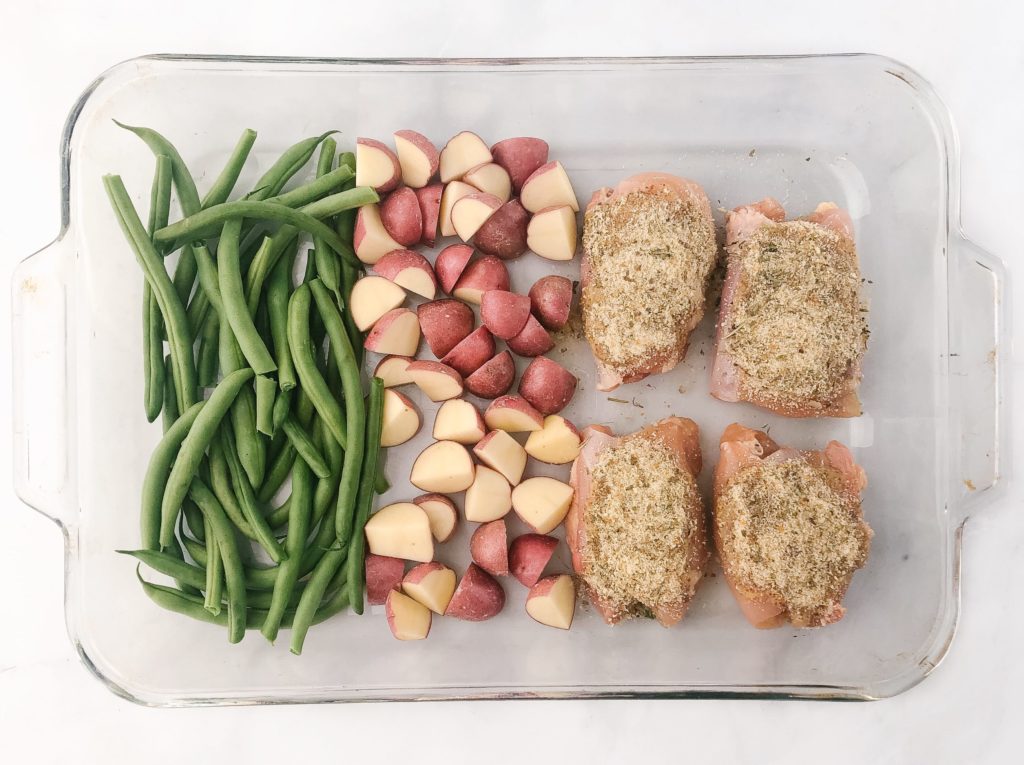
(636, 526)
(788, 527)
(792, 326)
(648, 253)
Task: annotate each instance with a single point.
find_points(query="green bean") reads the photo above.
(327, 488)
(267, 258)
(357, 547)
(189, 605)
(250, 508)
(188, 198)
(194, 446)
(233, 296)
(251, 449)
(355, 412)
(313, 384)
(289, 163)
(198, 307)
(158, 472)
(280, 468)
(152, 328)
(220, 530)
(209, 279)
(171, 307)
(170, 409)
(282, 407)
(190, 514)
(279, 286)
(220, 482)
(316, 586)
(325, 183)
(175, 552)
(295, 543)
(208, 351)
(326, 264)
(221, 188)
(381, 484)
(214, 574)
(152, 355)
(305, 447)
(265, 390)
(190, 227)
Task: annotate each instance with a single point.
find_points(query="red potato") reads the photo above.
(548, 186)
(408, 270)
(371, 298)
(547, 385)
(504, 313)
(499, 451)
(401, 420)
(489, 547)
(417, 157)
(396, 333)
(450, 263)
(370, 239)
(488, 273)
(529, 555)
(494, 378)
(458, 420)
(471, 211)
(430, 584)
(445, 323)
(513, 414)
(491, 179)
(407, 619)
(542, 502)
(478, 596)
(376, 166)
(452, 193)
(429, 198)
(557, 443)
(533, 340)
(400, 530)
(394, 371)
(504, 233)
(383, 574)
(552, 601)
(461, 154)
(471, 353)
(552, 233)
(444, 467)
(520, 157)
(439, 381)
(551, 299)
(441, 513)
(489, 497)
(401, 216)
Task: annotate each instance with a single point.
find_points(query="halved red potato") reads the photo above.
(551, 300)
(417, 157)
(504, 233)
(409, 270)
(376, 166)
(401, 215)
(450, 263)
(461, 154)
(504, 313)
(547, 385)
(520, 157)
(494, 378)
(444, 323)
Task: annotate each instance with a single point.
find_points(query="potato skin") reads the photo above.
(478, 596)
(551, 300)
(504, 233)
(520, 157)
(494, 378)
(401, 215)
(533, 340)
(547, 385)
(444, 324)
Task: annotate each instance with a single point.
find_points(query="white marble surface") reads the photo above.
(52, 710)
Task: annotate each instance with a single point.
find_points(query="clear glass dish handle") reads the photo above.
(979, 351)
(41, 385)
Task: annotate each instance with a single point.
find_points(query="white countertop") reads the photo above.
(53, 710)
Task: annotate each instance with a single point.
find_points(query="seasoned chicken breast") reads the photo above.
(788, 528)
(648, 253)
(792, 327)
(636, 526)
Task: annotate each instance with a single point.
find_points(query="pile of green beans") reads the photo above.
(270, 450)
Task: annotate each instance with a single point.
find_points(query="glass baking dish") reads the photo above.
(863, 131)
